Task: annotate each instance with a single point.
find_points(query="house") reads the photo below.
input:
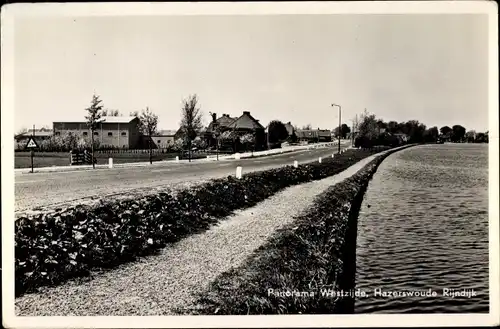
(115, 132)
(21, 140)
(218, 126)
(289, 128)
(403, 138)
(228, 130)
(445, 137)
(314, 136)
(39, 135)
(163, 139)
(247, 124)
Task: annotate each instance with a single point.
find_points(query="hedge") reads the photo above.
(51, 248)
(314, 254)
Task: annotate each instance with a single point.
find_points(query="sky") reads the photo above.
(426, 67)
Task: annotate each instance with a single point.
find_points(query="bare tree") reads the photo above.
(93, 118)
(191, 122)
(148, 126)
(307, 127)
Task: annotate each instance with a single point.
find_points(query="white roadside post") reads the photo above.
(237, 156)
(110, 163)
(177, 158)
(319, 160)
(296, 164)
(238, 172)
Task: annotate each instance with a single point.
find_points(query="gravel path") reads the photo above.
(156, 285)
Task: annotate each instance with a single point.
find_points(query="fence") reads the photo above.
(79, 157)
(156, 151)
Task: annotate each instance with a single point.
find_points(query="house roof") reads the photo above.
(165, 133)
(38, 133)
(304, 133)
(110, 119)
(246, 121)
(224, 122)
(105, 119)
(228, 134)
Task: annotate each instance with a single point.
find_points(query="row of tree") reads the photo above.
(370, 130)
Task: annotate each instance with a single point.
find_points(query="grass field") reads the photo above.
(50, 159)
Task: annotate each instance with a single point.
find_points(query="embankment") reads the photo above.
(54, 247)
(303, 267)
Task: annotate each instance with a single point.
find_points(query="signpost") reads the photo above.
(32, 145)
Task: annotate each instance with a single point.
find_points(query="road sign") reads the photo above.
(31, 144)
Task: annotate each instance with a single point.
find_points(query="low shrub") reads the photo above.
(308, 260)
(53, 247)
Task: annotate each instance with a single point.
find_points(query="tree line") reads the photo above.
(371, 130)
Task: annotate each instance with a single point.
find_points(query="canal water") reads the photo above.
(423, 228)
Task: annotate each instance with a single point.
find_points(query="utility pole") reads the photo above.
(340, 120)
(267, 136)
(354, 127)
(215, 133)
(32, 150)
(352, 134)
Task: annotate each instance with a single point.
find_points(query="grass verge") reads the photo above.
(302, 266)
(60, 159)
(53, 247)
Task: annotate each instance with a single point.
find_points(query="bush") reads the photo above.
(314, 254)
(53, 247)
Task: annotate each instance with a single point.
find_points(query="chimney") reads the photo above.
(246, 112)
(214, 117)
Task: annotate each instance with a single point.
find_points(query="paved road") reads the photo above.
(55, 188)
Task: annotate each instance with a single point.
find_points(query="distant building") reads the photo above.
(289, 128)
(40, 134)
(21, 140)
(351, 135)
(117, 132)
(163, 139)
(402, 137)
(230, 129)
(314, 136)
(217, 126)
(247, 124)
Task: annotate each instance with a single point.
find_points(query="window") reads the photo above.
(85, 133)
(124, 133)
(110, 133)
(159, 141)
(96, 133)
(58, 133)
(169, 142)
